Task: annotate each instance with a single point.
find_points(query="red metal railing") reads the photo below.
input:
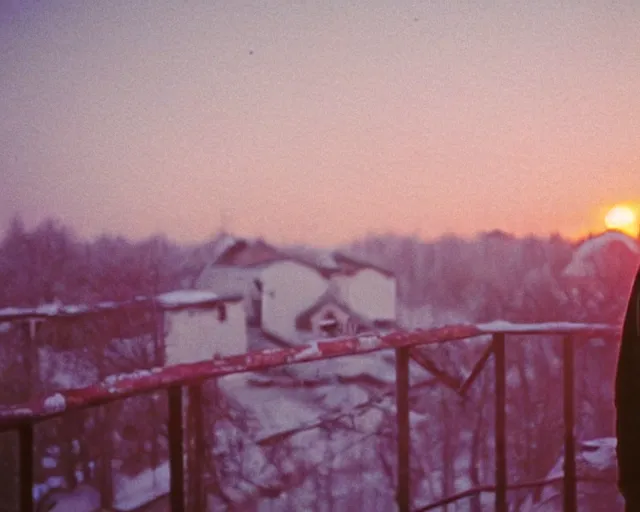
(191, 376)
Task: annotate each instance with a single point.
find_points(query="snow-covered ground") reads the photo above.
(595, 459)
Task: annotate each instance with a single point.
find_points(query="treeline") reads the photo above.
(492, 276)
(497, 276)
(50, 263)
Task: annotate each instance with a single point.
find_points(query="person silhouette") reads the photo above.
(627, 403)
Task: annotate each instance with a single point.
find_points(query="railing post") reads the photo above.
(196, 451)
(570, 490)
(403, 495)
(106, 468)
(26, 467)
(501, 422)
(176, 449)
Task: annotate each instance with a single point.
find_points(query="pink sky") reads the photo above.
(318, 121)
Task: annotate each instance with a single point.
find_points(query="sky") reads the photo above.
(318, 122)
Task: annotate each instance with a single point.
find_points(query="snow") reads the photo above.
(311, 351)
(83, 498)
(186, 298)
(580, 264)
(11, 312)
(599, 242)
(52, 309)
(65, 369)
(77, 309)
(177, 298)
(49, 462)
(317, 257)
(369, 341)
(55, 403)
(113, 379)
(48, 309)
(600, 453)
(146, 486)
(594, 458)
(223, 244)
(280, 413)
(501, 326)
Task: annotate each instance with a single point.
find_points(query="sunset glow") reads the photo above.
(318, 123)
(622, 218)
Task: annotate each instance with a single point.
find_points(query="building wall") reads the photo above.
(227, 280)
(199, 334)
(369, 293)
(289, 289)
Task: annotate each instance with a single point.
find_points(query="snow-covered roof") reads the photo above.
(223, 243)
(582, 262)
(247, 252)
(184, 297)
(190, 298)
(332, 261)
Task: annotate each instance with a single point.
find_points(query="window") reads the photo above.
(222, 313)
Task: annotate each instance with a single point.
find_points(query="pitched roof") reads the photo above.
(349, 264)
(245, 252)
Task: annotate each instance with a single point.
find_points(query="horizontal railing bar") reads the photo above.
(140, 382)
(511, 487)
(550, 328)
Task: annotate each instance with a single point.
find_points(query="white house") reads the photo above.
(280, 285)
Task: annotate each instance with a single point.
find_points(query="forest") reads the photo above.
(493, 276)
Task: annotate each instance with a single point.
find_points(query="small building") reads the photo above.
(177, 327)
(201, 325)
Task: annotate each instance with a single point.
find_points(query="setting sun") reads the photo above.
(622, 218)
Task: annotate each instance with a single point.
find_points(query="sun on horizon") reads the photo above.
(623, 218)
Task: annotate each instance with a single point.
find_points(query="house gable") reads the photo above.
(330, 307)
(288, 288)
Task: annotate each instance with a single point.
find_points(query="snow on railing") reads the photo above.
(173, 378)
(142, 381)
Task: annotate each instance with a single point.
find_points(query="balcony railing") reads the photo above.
(175, 379)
